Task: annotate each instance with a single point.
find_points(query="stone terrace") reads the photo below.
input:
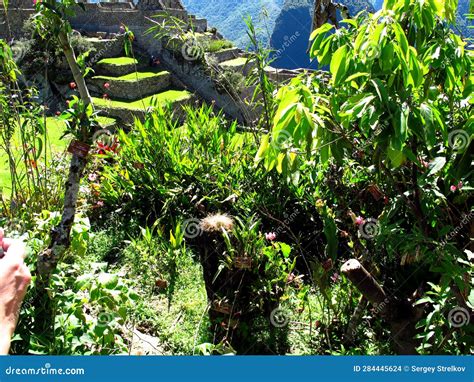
(103, 21)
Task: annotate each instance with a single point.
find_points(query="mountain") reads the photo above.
(293, 28)
(284, 24)
(228, 16)
(463, 24)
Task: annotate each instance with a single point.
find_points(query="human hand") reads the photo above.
(14, 279)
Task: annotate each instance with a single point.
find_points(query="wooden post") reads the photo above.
(400, 314)
(366, 284)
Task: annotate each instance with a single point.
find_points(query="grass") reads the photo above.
(236, 62)
(106, 121)
(209, 44)
(218, 45)
(55, 129)
(161, 98)
(133, 76)
(118, 61)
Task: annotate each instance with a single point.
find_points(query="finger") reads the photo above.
(14, 248)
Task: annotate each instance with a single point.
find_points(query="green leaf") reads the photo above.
(285, 249)
(396, 157)
(470, 299)
(108, 280)
(381, 90)
(357, 75)
(321, 30)
(401, 38)
(387, 57)
(400, 128)
(428, 120)
(263, 148)
(338, 64)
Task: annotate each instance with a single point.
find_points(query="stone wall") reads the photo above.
(108, 17)
(11, 24)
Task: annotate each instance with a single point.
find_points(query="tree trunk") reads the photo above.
(400, 314)
(355, 320)
(60, 235)
(75, 69)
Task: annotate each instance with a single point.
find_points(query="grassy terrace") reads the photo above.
(236, 62)
(118, 61)
(55, 128)
(161, 98)
(132, 77)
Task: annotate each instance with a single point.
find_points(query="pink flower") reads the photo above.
(335, 277)
(99, 204)
(460, 184)
(270, 236)
(359, 220)
(92, 177)
(105, 96)
(453, 188)
(107, 85)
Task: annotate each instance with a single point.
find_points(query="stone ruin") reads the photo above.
(102, 21)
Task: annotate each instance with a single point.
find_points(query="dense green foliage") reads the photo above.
(368, 161)
(396, 112)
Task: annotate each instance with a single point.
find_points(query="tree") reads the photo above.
(397, 98)
(51, 23)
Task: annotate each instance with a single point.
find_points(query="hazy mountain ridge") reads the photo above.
(285, 24)
(228, 16)
(293, 27)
